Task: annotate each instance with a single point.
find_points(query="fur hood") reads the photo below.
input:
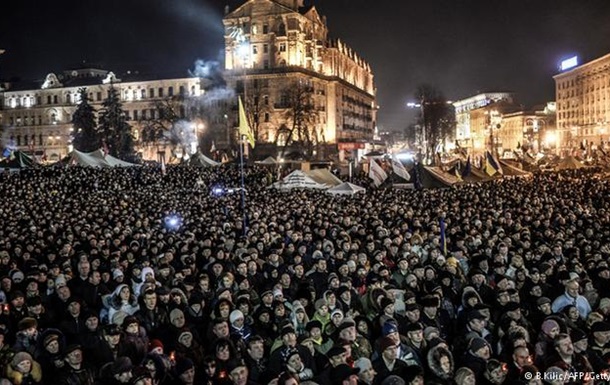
(467, 293)
(17, 377)
(434, 357)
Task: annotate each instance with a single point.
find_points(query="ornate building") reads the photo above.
(493, 121)
(36, 117)
(274, 47)
(583, 105)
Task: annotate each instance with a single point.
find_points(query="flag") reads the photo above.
(163, 169)
(376, 173)
(491, 166)
(244, 127)
(443, 237)
(399, 169)
(467, 169)
(105, 148)
(458, 175)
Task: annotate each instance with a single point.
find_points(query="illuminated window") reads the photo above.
(143, 93)
(254, 50)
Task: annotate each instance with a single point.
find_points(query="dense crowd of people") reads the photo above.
(133, 275)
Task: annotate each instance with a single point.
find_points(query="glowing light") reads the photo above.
(173, 222)
(550, 138)
(404, 156)
(569, 63)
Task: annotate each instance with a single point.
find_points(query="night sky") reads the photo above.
(460, 46)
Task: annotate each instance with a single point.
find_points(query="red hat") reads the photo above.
(155, 344)
(386, 342)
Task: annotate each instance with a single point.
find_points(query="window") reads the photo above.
(265, 29)
(282, 47)
(170, 91)
(135, 114)
(68, 99)
(282, 30)
(55, 99)
(143, 114)
(266, 117)
(18, 140)
(160, 92)
(40, 121)
(151, 93)
(254, 49)
(98, 97)
(48, 99)
(40, 139)
(38, 100)
(266, 64)
(182, 93)
(266, 100)
(143, 93)
(265, 48)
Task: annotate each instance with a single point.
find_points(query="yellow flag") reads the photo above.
(244, 127)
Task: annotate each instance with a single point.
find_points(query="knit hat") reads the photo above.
(319, 303)
(182, 365)
(477, 343)
(430, 330)
(363, 364)
(386, 342)
(548, 325)
(604, 303)
(235, 315)
(600, 326)
(155, 344)
(175, 314)
(389, 328)
(121, 365)
(395, 380)
(50, 338)
(20, 357)
(385, 302)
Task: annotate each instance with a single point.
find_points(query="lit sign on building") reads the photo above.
(569, 63)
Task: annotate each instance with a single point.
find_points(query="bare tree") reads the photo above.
(162, 123)
(302, 114)
(437, 117)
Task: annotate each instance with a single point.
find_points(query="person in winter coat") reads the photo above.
(121, 299)
(23, 370)
(135, 340)
(440, 366)
(50, 352)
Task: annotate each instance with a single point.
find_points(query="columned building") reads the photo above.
(37, 117)
(583, 105)
(276, 48)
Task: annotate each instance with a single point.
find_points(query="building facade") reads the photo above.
(468, 133)
(273, 47)
(37, 117)
(583, 105)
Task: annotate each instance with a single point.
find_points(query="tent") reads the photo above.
(432, 177)
(346, 188)
(18, 160)
(511, 170)
(95, 159)
(297, 179)
(324, 176)
(568, 163)
(200, 160)
(268, 161)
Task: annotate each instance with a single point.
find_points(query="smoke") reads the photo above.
(210, 70)
(183, 133)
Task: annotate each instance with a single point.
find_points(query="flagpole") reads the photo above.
(243, 188)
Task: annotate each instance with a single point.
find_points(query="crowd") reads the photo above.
(112, 276)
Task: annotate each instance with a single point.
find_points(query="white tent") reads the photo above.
(324, 176)
(346, 188)
(267, 161)
(201, 160)
(96, 159)
(297, 179)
